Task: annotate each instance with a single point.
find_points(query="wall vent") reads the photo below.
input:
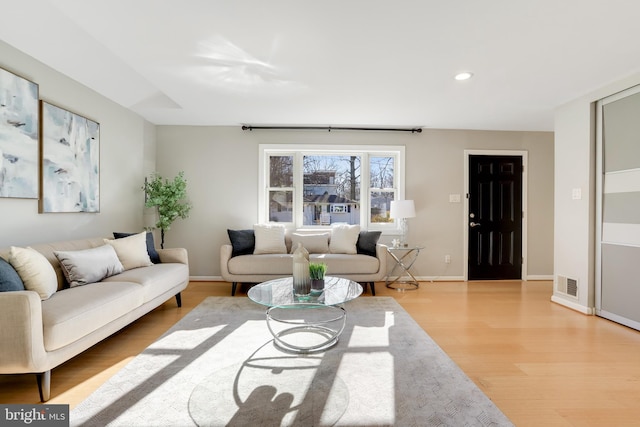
(567, 286)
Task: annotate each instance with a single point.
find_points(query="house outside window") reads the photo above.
(314, 188)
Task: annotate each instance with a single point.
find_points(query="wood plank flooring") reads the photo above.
(541, 363)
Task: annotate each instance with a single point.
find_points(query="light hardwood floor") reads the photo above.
(541, 363)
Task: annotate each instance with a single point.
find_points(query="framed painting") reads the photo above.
(18, 136)
(70, 161)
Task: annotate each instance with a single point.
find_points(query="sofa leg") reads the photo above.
(234, 285)
(44, 385)
(373, 288)
(179, 299)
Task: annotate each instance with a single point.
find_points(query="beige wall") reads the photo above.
(574, 240)
(125, 139)
(220, 164)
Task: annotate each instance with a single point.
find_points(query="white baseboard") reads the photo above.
(440, 278)
(205, 279)
(420, 278)
(540, 277)
(574, 306)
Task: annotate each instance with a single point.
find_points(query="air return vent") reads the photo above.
(567, 286)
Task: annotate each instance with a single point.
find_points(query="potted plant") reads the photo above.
(168, 197)
(317, 271)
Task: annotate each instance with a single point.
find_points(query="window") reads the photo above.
(315, 187)
(382, 182)
(280, 192)
(331, 189)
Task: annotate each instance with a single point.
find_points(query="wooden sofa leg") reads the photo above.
(44, 385)
(179, 299)
(373, 288)
(234, 285)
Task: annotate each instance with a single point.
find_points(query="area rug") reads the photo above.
(219, 366)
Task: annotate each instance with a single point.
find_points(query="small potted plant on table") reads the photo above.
(317, 271)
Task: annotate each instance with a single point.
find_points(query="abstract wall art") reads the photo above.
(70, 161)
(18, 136)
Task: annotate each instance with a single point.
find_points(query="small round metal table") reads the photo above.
(305, 324)
(400, 276)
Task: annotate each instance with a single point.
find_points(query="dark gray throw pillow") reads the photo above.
(367, 241)
(243, 241)
(151, 247)
(9, 278)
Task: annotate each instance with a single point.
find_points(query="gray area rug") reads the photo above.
(219, 366)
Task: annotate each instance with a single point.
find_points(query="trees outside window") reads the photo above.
(280, 188)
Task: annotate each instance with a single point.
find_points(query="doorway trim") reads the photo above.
(465, 220)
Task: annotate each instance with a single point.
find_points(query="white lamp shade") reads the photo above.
(402, 209)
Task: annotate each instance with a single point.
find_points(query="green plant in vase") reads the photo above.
(317, 271)
(169, 199)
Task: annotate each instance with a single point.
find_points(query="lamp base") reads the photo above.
(404, 228)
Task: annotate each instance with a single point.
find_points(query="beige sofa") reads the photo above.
(251, 268)
(38, 335)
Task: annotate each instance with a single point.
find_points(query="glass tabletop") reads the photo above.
(405, 248)
(279, 292)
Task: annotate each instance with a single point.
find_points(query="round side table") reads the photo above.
(400, 276)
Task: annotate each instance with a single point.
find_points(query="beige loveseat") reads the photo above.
(38, 335)
(255, 268)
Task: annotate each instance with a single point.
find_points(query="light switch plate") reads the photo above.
(576, 194)
(454, 198)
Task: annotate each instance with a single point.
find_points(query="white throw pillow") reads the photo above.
(35, 270)
(269, 239)
(132, 250)
(89, 265)
(313, 243)
(344, 238)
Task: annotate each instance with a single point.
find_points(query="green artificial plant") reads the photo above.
(169, 199)
(317, 270)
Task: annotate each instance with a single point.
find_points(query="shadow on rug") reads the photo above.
(218, 366)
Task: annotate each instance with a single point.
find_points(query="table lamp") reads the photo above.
(403, 209)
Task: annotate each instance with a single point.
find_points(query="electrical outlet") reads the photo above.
(447, 259)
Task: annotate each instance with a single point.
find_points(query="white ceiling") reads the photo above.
(375, 63)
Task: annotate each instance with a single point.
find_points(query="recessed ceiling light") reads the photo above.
(466, 75)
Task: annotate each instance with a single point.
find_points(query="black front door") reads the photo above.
(495, 217)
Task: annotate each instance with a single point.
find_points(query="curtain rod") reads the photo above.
(329, 128)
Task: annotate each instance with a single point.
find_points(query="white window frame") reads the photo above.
(300, 150)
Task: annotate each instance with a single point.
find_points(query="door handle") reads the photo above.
(474, 224)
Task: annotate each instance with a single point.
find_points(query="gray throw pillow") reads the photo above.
(89, 265)
(9, 278)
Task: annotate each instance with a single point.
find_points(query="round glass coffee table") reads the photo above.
(309, 323)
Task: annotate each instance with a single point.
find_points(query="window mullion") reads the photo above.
(298, 186)
(365, 199)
